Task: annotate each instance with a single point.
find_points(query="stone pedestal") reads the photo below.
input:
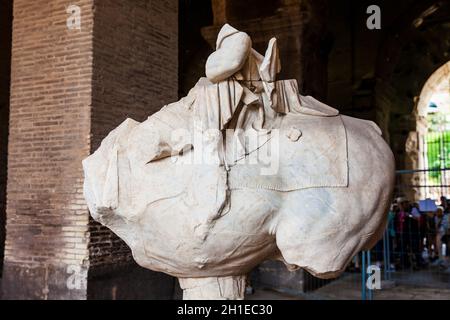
(274, 275)
(213, 288)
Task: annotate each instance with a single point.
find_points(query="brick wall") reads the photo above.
(69, 88)
(5, 63)
(47, 219)
(135, 74)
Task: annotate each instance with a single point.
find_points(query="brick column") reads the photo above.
(5, 71)
(69, 88)
(47, 219)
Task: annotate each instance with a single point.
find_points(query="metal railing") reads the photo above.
(408, 259)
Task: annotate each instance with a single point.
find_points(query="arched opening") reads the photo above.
(5, 68)
(433, 128)
(408, 61)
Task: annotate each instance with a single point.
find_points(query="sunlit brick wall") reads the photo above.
(47, 219)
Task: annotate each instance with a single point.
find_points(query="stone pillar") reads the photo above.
(46, 254)
(69, 88)
(299, 26)
(219, 11)
(5, 71)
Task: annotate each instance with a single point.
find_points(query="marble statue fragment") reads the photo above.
(241, 170)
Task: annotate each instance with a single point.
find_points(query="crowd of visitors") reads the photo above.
(414, 238)
(417, 237)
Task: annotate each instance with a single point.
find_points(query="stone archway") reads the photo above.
(435, 82)
(438, 82)
(410, 54)
(416, 142)
(407, 59)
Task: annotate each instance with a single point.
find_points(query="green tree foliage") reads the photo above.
(438, 145)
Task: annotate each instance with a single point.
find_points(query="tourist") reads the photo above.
(446, 237)
(441, 230)
(414, 236)
(443, 203)
(402, 238)
(430, 232)
(391, 235)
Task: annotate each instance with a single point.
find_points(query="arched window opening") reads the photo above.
(433, 127)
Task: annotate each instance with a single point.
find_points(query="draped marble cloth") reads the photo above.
(217, 103)
(295, 165)
(147, 151)
(300, 164)
(140, 167)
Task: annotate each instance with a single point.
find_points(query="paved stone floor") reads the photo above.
(263, 294)
(418, 285)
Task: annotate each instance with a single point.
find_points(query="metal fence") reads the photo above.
(414, 252)
(412, 258)
(411, 261)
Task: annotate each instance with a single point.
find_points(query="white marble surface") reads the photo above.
(176, 190)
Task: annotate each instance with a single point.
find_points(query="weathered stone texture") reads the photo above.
(69, 88)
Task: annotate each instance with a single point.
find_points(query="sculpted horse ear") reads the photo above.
(269, 69)
(271, 64)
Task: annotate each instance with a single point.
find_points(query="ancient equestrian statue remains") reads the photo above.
(241, 170)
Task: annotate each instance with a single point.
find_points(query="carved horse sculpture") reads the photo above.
(319, 197)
